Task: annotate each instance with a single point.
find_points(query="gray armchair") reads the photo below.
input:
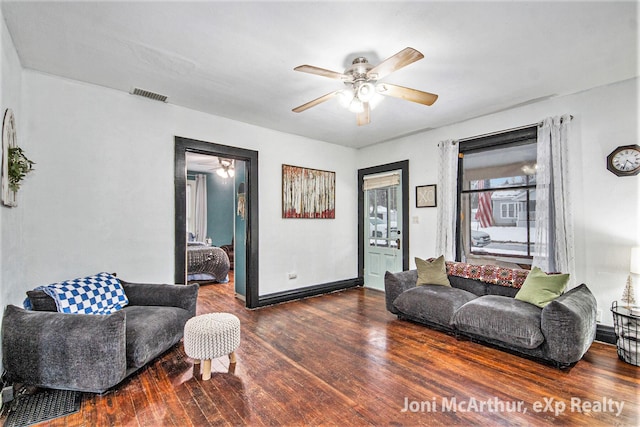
(93, 353)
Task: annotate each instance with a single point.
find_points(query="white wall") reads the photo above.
(92, 204)
(102, 195)
(13, 259)
(605, 208)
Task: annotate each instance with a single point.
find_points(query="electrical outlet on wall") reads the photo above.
(293, 275)
(598, 316)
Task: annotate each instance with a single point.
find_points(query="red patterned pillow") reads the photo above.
(489, 273)
(511, 277)
(457, 269)
(473, 271)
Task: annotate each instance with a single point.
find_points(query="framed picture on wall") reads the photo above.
(426, 196)
(308, 193)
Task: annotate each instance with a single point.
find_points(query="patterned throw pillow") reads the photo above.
(101, 293)
(510, 277)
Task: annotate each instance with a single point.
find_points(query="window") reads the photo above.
(382, 205)
(508, 210)
(497, 195)
(191, 205)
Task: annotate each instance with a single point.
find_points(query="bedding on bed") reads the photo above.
(207, 263)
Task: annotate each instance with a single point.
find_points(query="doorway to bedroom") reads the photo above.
(216, 220)
(216, 216)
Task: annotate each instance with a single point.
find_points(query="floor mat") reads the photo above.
(44, 405)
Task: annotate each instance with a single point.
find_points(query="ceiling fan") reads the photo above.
(363, 88)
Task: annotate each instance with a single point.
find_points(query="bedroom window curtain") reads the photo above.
(553, 248)
(447, 199)
(201, 207)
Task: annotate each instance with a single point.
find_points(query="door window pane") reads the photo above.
(383, 216)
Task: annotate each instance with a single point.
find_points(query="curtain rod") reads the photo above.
(505, 131)
(471, 138)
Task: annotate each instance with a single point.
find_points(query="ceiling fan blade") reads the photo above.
(315, 102)
(364, 118)
(322, 72)
(406, 93)
(399, 60)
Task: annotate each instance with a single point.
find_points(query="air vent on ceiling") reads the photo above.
(147, 94)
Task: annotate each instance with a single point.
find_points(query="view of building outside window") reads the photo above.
(499, 201)
(383, 216)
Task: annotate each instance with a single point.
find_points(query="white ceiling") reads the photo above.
(236, 59)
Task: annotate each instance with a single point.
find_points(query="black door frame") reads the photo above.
(389, 167)
(250, 157)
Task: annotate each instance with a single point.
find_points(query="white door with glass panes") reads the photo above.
(382, 233)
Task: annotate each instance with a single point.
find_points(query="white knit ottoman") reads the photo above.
(210, 336)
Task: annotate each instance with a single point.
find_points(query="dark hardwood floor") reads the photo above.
(342, 359)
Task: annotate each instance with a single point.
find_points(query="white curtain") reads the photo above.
(447, 199)
(201, 207)
(553, 248)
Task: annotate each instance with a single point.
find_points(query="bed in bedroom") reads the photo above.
(206, 263)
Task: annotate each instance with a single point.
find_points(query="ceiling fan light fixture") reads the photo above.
(366, 91)
(227, 169)
(345, 97)
(226, 173)
(356, 106)
(376, 99)
(363, 92)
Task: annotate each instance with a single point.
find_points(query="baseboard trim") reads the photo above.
(309, 291)
(605, 334)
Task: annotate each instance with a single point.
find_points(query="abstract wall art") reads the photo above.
(308, 193)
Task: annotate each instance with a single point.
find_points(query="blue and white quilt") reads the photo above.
(101, 293)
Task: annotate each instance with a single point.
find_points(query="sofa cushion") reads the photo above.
(541, 288)
(501, 318)
(151, 330)
(432, 272)
(432, 303)
(504, 291)
(470, 285)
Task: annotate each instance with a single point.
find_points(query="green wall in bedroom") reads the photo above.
(241, 233)
(220, 207)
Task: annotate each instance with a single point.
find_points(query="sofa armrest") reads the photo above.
(397, 283)
(569, 324)
(64, 351)
(182, 296)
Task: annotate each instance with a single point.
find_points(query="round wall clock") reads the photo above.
(624, 160)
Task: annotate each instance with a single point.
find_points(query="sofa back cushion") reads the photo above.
(500, 290)
(470, 285)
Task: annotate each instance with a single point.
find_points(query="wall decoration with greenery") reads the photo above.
(15, 164)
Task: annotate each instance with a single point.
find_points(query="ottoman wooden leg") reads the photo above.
(206, 369)
(232, 357)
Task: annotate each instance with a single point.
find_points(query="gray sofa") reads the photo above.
(560, 333)
(93, 353)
